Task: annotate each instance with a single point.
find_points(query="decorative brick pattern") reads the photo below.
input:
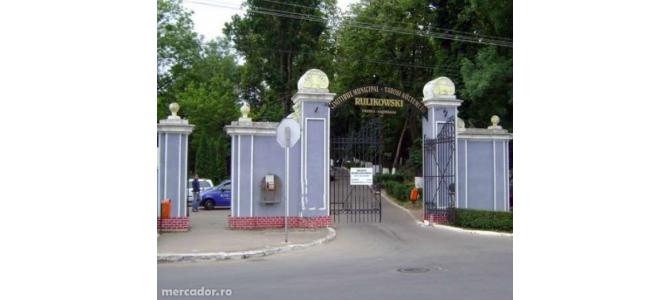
(173, 224)
(278, 222)
(442, 219)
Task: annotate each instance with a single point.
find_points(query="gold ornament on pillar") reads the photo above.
(494, 122)
(313, 79)
(174, 108)
(245, 109)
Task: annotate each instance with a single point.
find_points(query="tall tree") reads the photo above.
(485, 72)
(389, 57)
(368, 54)
(279, 44)
(178, 47)
(208, 95)
(203, 158)
(205, 79)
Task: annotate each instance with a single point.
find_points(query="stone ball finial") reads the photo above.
(313, 79)
(245, 109)
(495, 120)
(444, 86)
(441, 86)
(174, 108)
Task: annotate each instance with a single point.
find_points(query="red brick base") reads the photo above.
(173, 224)
(278, 222)
(442, 219)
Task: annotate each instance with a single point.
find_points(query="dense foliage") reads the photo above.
(278, 50)
(484, 219)
(399, 190)
(262, 53)
(202, 78)
(397, 186)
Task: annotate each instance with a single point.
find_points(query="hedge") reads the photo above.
(386, 177)
(483, 219)
(399, 191)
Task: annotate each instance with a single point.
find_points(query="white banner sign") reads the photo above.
(418, 182)
(360, 176)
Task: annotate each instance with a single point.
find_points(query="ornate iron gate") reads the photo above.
(439, 167)
(362, 149)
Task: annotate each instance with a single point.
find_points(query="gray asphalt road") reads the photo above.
(362, 263)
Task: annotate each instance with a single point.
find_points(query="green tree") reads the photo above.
(487, 84)
(485, 72)
(388, 57)
(211, 158)
(204, 79)
(222, 148)
(178, 46)
(383, 55)
(279, 49)
(209, 99)
(277, 41)
(203, 157)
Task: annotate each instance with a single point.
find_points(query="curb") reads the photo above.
(463, 230)
(218, 256)
(424, 224)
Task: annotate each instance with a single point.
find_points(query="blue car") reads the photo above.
(218, 196)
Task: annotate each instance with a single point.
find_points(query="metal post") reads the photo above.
(288, 142)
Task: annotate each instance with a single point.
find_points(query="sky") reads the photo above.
(209, 19)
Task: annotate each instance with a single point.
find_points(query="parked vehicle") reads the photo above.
(218, 196)
(205, 184)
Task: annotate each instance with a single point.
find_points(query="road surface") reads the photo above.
(363, 263)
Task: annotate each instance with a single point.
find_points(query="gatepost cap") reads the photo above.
(313, 79)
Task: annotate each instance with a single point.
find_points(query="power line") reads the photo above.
(454, 72)
(289, 4)
(369, 26)
(241, 2)
(358, 24)
(504, 39)
(475, 37)
(384, 28)
(345, 58)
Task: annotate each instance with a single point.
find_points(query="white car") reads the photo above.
(205, 184)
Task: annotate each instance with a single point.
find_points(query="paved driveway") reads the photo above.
(210, 233)
(362, 263)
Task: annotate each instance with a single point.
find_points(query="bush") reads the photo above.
(386, 177)
(398, 190)
(483, 219)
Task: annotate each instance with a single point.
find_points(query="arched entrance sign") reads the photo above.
(379, 89)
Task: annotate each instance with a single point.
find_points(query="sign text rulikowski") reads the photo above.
(378, 102)
(377, 89)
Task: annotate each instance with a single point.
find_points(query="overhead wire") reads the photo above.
(452, 71)
(345, 58)
(362, 25)
(460, 36)
(241, 2)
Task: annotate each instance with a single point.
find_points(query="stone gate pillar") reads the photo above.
(439, 96)
(312, 111)
(172, 136)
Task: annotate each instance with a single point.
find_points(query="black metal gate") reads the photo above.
(439, 174)
(361, 149)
